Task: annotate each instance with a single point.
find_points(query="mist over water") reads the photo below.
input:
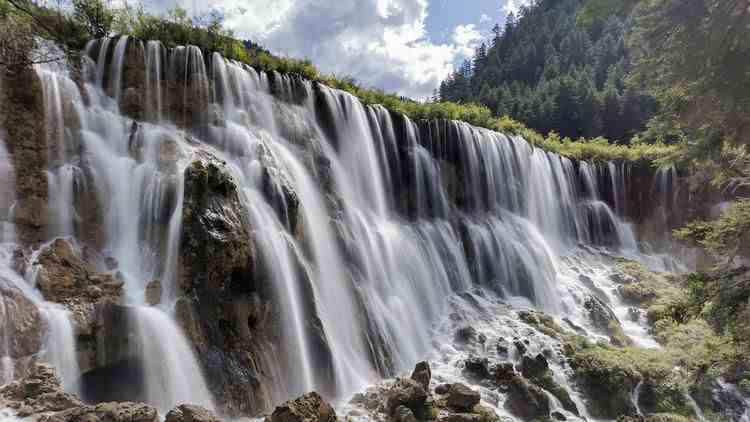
(399, 223)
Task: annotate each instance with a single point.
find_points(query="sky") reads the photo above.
(403, 46)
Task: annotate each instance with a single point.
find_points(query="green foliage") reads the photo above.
(554, 72)
(726, 237)
(692, 55)
(599, 10)
(94, 16)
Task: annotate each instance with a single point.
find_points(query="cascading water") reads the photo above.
(396, 218)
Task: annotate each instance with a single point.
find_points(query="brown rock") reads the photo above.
(153, 293)
(308, 408)
(463, 398)
(21, 329)
(406, 392)
(64, 277)
(422, 374)
(191, 413)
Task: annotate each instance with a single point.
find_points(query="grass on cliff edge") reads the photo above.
(93, 19)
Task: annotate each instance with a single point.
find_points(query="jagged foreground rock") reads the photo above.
(39, 396)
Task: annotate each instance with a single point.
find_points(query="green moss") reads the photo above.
(542, 322)
(611, 374)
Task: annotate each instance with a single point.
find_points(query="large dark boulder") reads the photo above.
(526, 400)
(462, 398)
(229, 305)
(422, 374)
(222, 308)
(406, 392)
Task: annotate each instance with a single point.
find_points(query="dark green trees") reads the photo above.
(557, 68)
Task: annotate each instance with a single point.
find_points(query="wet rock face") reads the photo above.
(64, 277)
(217, 252)
(22, 118)
(526, 400)
(224, 310)
(308, 408)
(20, 323)
(604, 320)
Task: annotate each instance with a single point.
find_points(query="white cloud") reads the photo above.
(512, 6)
(382, 43)
(485, 18)
(466, 37)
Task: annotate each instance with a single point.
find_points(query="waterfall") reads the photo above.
(392, 217)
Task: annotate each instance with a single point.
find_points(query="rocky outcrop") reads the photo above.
(223, 309)
(39, 396)
(64, 277)
(308, 408)
(20, 324)
(23, 120)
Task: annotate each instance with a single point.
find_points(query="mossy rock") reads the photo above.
(542, 322)
(636, 293)
(609, 375)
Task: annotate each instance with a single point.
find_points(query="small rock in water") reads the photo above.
(503, 372)
(477, 368)
(502, 348)
(461, 397)
(465, 335)
(534, 367)
(634, 314)
(520, 347)
(190, 413)
(442, 389)
(559, 416)
(422, 374)
(403, 414)
(153, 293)
(110, 263)
(308, 408)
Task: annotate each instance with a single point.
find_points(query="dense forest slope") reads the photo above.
(557, 67)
